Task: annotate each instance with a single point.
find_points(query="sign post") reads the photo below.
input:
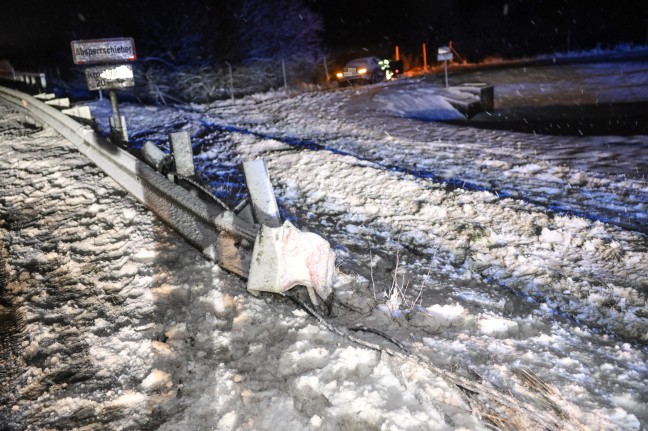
(111, 72)
(444, 54)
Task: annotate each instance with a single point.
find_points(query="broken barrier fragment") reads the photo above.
(286, 257)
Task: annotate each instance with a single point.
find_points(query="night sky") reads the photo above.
(37, 31)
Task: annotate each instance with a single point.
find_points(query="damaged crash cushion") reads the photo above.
(286, 257)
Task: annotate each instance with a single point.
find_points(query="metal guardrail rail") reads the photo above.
(33, 79)
(218, 233)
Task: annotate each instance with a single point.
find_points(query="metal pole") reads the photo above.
(231, 77)
(328, 78)
(424, 57)
(116, 116)
(283, 68)
(445, 63)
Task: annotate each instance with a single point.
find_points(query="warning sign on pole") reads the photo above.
(444, 54)
(110, 77)
(97, 51)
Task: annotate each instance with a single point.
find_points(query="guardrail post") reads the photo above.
(262, 198)
(182, 153)
(117, 122)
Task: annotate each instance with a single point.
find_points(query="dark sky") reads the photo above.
(42, 29)
(487, 27)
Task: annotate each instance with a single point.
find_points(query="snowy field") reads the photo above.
(511, 265)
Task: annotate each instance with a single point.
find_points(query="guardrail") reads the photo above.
(220, 234)
(273, 257)
(29, 78)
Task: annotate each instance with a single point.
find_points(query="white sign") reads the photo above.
(110, 77)
(444, 54)
(99, 51)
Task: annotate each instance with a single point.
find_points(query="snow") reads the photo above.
(426, 104)
(499, 257)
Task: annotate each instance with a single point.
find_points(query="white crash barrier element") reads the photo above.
(45, 96)
(286, 257)
(82, 112)
(61, 103)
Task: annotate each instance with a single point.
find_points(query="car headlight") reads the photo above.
(339, 75)
(362, 71)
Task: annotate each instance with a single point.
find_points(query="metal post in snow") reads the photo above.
(445, 63)
(424, 57)
(231, 79)
(116, 123)
(283, 68)
(328, 78)
(182, 153)
(444, 54)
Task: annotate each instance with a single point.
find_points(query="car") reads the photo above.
(365, 69)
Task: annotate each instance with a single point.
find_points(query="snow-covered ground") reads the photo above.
(498, 258)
